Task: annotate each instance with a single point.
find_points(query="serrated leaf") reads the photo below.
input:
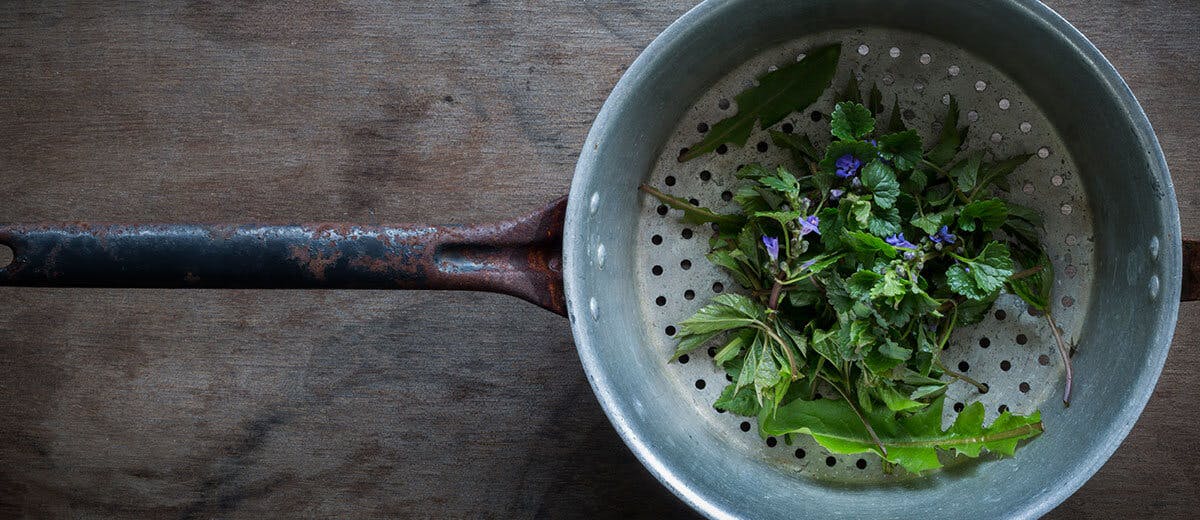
(753, 171)
(752, 199)
(971, 312)
(851, 121)
(896, 122)
(693, 214)
(850, 92)
(889, 287)
(896, 401)
(932, 222)
(881, 180)
(966, 172)
(727, 311)
(983, 215)
(782, 181)
(916, 183)
(884, 223)
(902, 148)
(859, 284)
(1034, 289)
(737, 342)
(798, 143)
(766, 374)
(739, 402)
(911, 441)
(733, 263)
(951, 138)
(690, 342)
(875, 100)
(788, 89)
(977, 278)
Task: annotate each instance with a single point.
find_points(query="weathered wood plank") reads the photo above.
(249, 403)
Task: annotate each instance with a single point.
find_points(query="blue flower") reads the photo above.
(943, 235)
(809, 263)
(836, 194)
(809, 225)
(873, 142)
(899, 241)
(772, 244)
(847, 165)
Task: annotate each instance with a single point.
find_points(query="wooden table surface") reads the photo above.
(239, 403)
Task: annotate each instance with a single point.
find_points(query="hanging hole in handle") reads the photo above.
(7, 255)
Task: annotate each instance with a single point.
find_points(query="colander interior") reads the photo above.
(1027, 83)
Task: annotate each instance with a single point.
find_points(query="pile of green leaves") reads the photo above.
(846, 306)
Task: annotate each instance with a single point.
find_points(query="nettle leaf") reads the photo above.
(977, 278)
(797, 143)
(951, 138)
(933, 222)
(997, 172)
(884, 223)
(983, 215)
(966, 172)
(903, 149)
(851, 121)
(912, 441)
(789, 88)
(693, 214)
(727, 311)
(881, 180)
(739, 402)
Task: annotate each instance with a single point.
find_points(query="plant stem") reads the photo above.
(962, 377)
(1062, 351)
(870, 430)
(773, 303)
(1026, 273)
(934, 167)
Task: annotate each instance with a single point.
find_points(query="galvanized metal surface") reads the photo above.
(1117, 167)
(522, 257)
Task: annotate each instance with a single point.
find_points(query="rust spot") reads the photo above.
(316, 264)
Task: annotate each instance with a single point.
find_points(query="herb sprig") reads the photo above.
(857, 269)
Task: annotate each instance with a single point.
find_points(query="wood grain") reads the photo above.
(158, 403)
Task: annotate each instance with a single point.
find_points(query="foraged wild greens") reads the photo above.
(857, 263)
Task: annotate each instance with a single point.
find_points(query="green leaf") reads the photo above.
(766, 374)
(837, 149)
(997, 172)
(889, 287)
(693, 214)
(851, 121)
(916, 183)
(736, 343)
(951, 138)
(752, 199)
(690, 342)
(798, 143)
(788, 89)
(859, 213)
(738, 402)
(753, 171)
(851, 91)
(859, 284)
(911, 441)
(896, 123)
(865, 243)
(824, 342)
(983, 215)
(971, 312)
(727, 311)
(903, 149)
(782, 181)
(745, 377)
(979, 277)
(896, 401)
(875, 100)
(884, 223)
(1034, 289)
(881, 180)
(933, 222)
(966, 172)
(733, 263)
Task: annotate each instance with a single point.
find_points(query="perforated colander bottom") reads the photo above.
(1012, 351)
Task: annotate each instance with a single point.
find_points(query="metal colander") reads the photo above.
(1027, 82)
(1013, 351)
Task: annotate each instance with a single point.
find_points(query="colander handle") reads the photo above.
(521, 257)
(1191, 271)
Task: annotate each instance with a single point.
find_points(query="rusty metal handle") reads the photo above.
(1191, 271)
(522, 257)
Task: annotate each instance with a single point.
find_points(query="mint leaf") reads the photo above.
(693, 214)
(851, 121)
(788, 89)
(881, 180)
(983, 215)
(903, 149)
(911, 441)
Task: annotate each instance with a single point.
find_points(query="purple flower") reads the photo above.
(809, 225)
(899, 241)
(836, 194)
(943, 235)
(808, 264)
(847, 165)
(856, 182)
(873, 142)
(772, 244)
